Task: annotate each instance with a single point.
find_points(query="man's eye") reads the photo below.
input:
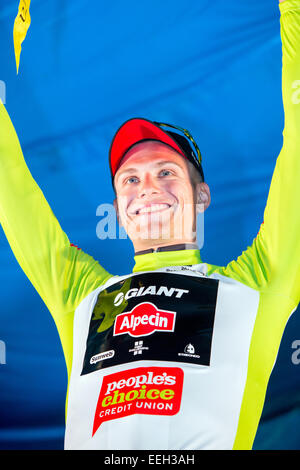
(165, 173)
(131, 179)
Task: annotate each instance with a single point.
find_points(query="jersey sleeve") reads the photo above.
(61, 273)
(273, 260)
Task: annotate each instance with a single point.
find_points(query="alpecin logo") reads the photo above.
(144, 319)
(144, 390)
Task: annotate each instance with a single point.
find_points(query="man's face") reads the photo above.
(155, 196)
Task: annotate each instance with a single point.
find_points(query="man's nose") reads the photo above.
(148, 186)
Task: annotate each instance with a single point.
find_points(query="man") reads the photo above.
(178, 353)
(159, 182)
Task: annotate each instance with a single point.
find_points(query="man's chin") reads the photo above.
(154, 233)
(161, 226)
(150, 233)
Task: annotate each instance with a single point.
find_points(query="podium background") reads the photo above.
(211, 67)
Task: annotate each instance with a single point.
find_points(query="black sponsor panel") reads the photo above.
(152, 316)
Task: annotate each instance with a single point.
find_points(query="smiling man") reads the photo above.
(159, 185)
(178, 353)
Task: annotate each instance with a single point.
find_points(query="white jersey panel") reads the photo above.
(106, 407)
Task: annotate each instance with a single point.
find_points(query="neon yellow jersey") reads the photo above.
(78, 292)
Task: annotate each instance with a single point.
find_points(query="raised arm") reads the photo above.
(61, 273)
(273, 260)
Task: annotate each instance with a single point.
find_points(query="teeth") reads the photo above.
(153, 208)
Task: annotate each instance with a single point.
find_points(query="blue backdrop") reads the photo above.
(212, 67)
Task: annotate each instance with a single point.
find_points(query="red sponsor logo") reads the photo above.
(144, 390)
(144, 319)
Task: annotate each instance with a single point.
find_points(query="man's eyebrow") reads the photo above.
(129, 170)
(158, 164)
(165, 162)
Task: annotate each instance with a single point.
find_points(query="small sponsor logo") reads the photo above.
(150, 290)
(138, 348)
(145, 390)
(102, 356)
(189, 351)
(144, 319)
(185, 268)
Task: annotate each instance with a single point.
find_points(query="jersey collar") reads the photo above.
(161, 259)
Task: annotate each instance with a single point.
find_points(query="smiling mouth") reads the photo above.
(152, 209)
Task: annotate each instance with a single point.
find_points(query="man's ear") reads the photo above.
(203, 196)
(115, 203)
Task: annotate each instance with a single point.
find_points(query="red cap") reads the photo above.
(133, 131)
